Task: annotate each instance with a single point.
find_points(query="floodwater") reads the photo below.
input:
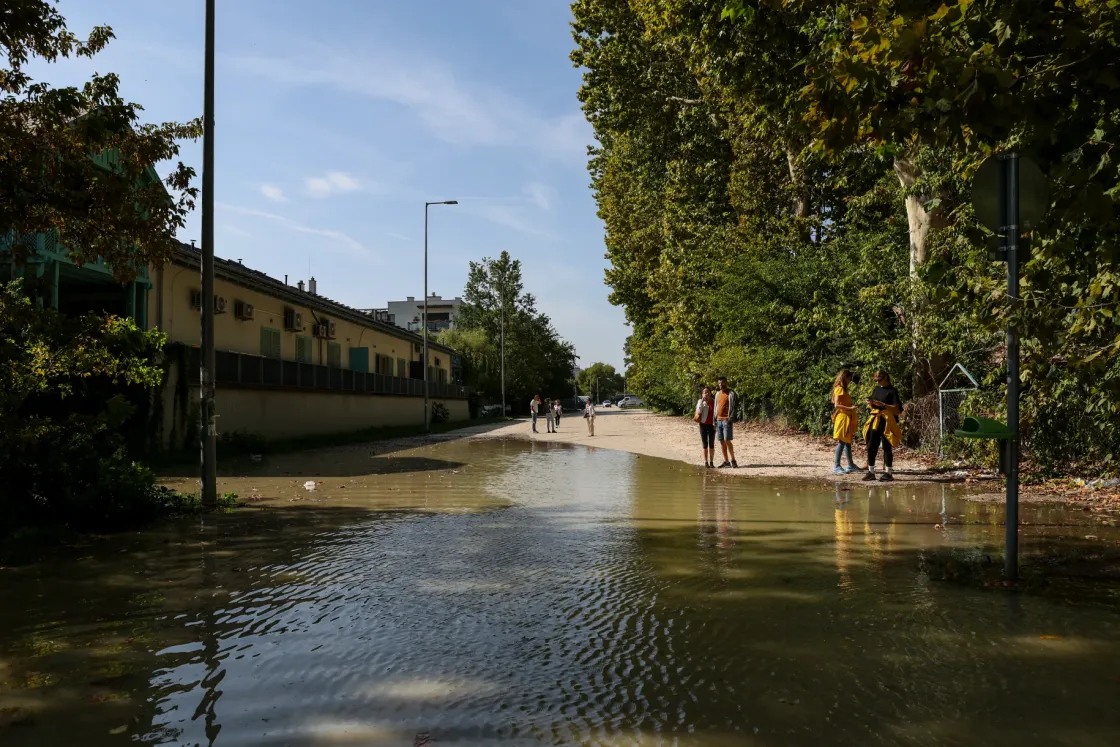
(507, 593)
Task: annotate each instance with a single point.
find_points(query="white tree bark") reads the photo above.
(921, 220)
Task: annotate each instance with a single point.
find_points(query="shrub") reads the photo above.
(440, 413)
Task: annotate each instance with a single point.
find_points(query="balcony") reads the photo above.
(433, 327)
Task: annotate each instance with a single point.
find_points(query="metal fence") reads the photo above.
(255, 371)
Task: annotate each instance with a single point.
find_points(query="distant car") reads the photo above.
(490, 411)
(607, 403)
(630, 401)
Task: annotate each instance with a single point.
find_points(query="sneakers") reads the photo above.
(886, 477)
(850, 469)
(869, 476)
(734, 464)
(839, 471)
(725, 465)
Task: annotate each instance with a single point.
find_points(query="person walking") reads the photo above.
(845, 420)
(534, 408)
(589, 415)
(706, 416)
(557, 411)
(549, 417)
(882, 427)
(726, 402)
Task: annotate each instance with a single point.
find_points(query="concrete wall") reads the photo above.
(287, 414)
(180, 322)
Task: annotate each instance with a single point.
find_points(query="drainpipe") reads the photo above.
(159, 297)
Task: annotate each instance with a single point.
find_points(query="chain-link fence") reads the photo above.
(954, 390)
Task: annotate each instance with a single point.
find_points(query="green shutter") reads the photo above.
(359, 359)
(303, 348)
(334, 355)
(270, 342)
(402, 368)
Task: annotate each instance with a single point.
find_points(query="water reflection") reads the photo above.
(544, 594)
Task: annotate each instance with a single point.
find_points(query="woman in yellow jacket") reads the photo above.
(845, 419)
(882, 427)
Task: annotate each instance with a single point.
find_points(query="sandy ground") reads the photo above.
(760, 452)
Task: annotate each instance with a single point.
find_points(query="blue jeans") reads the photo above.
(843, 448)
(534, 422)
(725, 430)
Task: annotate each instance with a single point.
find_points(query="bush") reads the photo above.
(474, 404)
(65, 387)
(440, 413)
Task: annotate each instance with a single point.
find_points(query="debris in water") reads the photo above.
(309, 485)
(255, 457)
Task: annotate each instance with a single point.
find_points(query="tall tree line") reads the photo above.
(537, 359)
(785, 186)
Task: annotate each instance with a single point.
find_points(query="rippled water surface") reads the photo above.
(493, 592)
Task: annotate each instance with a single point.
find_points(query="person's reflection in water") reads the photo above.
(842, 538)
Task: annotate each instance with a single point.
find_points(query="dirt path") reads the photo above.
(759, 452)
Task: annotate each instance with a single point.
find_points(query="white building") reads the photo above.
(409, 314)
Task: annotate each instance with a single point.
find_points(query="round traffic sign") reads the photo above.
(1034, 194)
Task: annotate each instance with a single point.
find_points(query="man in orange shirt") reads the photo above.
(726, 403)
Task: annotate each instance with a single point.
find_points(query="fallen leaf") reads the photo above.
(119, 729)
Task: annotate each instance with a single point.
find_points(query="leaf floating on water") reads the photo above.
(119, 729)
(1049, 637)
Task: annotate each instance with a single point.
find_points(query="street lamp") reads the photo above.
(207, 431)
(503, 355)
(427, 421)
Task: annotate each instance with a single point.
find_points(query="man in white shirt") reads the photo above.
(534, 408)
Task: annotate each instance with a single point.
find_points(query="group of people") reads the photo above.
(715, 413)
(552, 410)
(880, 431)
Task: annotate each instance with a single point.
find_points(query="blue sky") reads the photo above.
(337, 119)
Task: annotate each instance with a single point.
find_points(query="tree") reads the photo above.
(78, 164)
(537, 360)
(600, 380)
(785, 186)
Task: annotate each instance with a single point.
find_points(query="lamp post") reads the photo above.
(503, 355)
(427, 420)
(207, 430)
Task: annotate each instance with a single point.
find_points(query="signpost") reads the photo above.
(1010, 195)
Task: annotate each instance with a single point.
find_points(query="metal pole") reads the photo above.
(1011, 561)
(503, 355)
(424, 321)
(207, 427)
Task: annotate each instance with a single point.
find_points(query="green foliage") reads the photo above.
(537, 360)
(113, 206)
(786, 189)
(601, 380)
(68, 393)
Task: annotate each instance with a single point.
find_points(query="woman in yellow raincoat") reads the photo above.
(845, 420)
(882, 427)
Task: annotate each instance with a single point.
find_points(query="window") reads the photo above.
(443, 375)
(334, 355)
(402, 368)
(303, 348)
(385, 365)
(270, 342)
(359, 359)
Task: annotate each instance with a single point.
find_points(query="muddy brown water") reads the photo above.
(500, 593)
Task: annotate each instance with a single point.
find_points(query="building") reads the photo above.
(409, 314)
(291, 362)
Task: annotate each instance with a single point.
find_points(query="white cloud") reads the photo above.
(334, 182)
(452, 109)
(236, 231)
(274, 193)
(540, 195)
(349, 243)
(504, 215)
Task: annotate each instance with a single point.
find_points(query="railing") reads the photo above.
(255, 371)
(432, 326)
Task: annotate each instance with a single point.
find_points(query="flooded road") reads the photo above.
(501, 593)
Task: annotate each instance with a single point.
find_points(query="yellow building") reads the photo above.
(289, 362)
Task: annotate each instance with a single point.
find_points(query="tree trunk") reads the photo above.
(801, 197)
(920, 219)
(922, 223)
